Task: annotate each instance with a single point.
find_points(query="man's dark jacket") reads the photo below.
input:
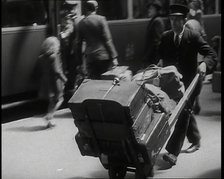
(184, 57)
(95, 31)
(154, 32)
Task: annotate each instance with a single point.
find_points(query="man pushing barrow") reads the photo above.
(126, 123)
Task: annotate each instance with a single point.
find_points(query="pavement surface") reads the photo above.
(30, 151)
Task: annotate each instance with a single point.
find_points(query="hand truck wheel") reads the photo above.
(139, 174)
(117, 172)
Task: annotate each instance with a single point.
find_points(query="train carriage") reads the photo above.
(25, 24)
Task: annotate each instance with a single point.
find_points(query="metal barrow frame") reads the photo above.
(109, 136)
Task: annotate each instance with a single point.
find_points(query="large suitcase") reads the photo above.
(117, 124)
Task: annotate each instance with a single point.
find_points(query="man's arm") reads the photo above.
(79, 44)
(67, 28)
(56, 67)
(152, 47)
(210, 56)
(108, 39)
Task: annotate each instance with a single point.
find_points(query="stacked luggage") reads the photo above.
(124, 123)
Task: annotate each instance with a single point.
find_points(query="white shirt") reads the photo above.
(179, 36)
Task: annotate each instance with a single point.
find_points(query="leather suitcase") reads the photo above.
(148, 129)
(124, 102)
(129, 94)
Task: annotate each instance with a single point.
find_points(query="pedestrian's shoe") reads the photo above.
(193, 148)
(172, 159)
(48, 117)
(51, 123)
(196, 109)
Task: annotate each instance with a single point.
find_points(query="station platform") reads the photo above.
(31, 151)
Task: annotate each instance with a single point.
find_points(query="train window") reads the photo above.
(212, 6)
(112, 9)
(140, 8)
(23, 13)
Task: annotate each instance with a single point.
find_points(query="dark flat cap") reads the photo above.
(93, 3)
(178, 10)
(71, 2)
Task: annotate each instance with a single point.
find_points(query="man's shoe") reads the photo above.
(193, 148)
(172, 159)
(51, 124)
(196, 109)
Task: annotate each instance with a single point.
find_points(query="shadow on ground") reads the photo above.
(27, 128)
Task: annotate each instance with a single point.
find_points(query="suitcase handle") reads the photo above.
(116, 82)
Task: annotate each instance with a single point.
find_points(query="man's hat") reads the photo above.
(155, 3)
(179, 9)
(91, 5)
(71, 2)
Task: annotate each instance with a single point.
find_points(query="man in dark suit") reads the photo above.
(100, 53)
(180, 46)
(68, 35)
(154, 32)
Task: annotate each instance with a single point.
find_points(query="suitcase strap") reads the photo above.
(114, 83)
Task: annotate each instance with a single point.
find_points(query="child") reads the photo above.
(52, 78)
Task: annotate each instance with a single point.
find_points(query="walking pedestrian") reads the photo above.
(52, 78)
(100, 52)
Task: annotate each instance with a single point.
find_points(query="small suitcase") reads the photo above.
(121, 72)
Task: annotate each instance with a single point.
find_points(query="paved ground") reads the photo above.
(29, 151)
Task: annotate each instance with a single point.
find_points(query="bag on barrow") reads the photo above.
(167, 78)
(121, 72)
